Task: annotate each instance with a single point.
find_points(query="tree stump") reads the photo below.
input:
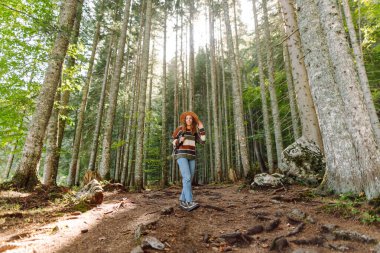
(91, 192)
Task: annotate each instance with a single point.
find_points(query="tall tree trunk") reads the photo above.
(10, 160)
(142, 97)
(362, 73)
(51, 145)
(82, 109)
(95, 138)
(209, 123)
(237, 99)
(343, 172)
(77, 172)
(271, 87)
(65, 96)
(134, 114)
(148, 117)
(306, 109)
(177, 94)
(292, 104)
(356, 113)
(217, 137)
(128, 139)
(126, 117)
(104, 169)
(256, 148)
(26, 174)
(268, 138)
(164, 130)
(191, 57)
(183, 77)
(225, 103)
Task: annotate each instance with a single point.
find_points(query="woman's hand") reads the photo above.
(182, 139)
(200, 124)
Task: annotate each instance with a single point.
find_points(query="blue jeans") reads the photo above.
(187, 168)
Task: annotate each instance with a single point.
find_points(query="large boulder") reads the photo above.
(266, 180)
(304, 162)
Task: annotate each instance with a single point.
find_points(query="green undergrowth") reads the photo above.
(353, 206)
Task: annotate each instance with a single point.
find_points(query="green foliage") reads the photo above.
(350, 205)
(369, 217)
(25, 41)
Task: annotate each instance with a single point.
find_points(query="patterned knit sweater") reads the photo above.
(186, 149)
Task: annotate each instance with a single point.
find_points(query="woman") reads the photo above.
(185, 136)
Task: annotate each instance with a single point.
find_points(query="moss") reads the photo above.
(82, 206)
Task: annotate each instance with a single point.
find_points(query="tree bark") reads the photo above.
(217, 137)
(191, 58)
(65, 94)
(225, 102)
(362, 72)
(148, 117)
(306, 109)
(164, 130)
(271, 87)
(131, 147)
(142, 97)
(10, 160)
(356, 113)
(237, 99)
(50, 170)
(268, 138)
(343, 173)
(292, 104)
(183, 78)
(104, 169)
(210, 166)
(95, 139)
(26, 174)
(82, 109)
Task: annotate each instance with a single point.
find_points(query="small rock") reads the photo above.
(167, 210)
(101, 238)
(296, 215)
(328, 227)
(137, 249)
(154, 242)
(76, 213)
(310, 219)
(84, 230)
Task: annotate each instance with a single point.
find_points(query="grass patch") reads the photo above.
(352, 206)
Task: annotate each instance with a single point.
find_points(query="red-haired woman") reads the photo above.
(190, 131)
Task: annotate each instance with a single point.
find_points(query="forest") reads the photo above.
(288, 92)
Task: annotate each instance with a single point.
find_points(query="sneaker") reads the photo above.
(183, 204)
(191, 206)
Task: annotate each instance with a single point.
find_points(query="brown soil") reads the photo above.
(228, 219)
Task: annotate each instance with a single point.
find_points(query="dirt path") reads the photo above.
(228, 220)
